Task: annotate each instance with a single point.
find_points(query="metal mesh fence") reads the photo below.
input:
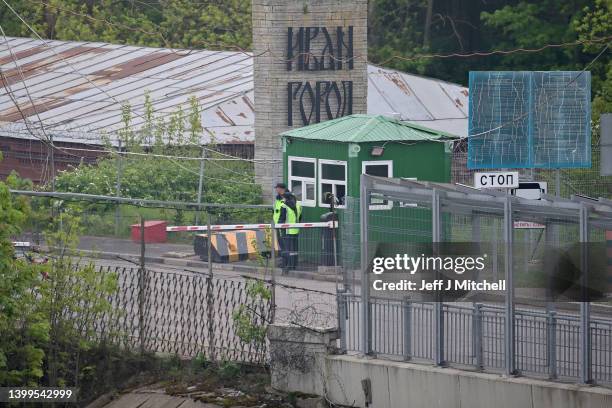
(562, 182)
(551, 335)
(179, 292)
(180, 313)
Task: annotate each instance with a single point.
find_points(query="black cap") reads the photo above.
(281, 185)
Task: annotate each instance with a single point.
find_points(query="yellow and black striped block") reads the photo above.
(233, 246)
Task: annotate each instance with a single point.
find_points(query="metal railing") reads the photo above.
(494, 335)
(547, 343)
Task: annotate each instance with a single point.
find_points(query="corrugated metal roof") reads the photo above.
(429, 102)
(365, 128)
(77, 89)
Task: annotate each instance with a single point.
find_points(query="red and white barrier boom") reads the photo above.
(326, 224)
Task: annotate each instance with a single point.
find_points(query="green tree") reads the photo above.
(597, 23)
(209, 24)
(47, 311)
(72, 299)
(24, 329)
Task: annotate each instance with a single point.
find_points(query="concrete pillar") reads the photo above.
(297, 355)
(310, 65)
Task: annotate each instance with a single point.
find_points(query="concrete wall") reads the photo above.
(397, 384)
(271, 20)
(404, 385)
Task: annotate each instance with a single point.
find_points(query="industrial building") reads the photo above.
(72, 93)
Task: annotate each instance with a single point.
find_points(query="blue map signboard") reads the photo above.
(528, 119)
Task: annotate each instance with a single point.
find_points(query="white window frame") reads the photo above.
(303, 180)
(333, 182)
(389, 164)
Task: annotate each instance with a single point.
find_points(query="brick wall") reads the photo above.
(271, 19)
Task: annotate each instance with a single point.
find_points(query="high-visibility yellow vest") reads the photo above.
(291, 219)
(277, 210)
(298, 206)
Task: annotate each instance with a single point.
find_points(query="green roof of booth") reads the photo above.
(366, 128)
(328, 158)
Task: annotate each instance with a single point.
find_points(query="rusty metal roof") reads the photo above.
(76, 89)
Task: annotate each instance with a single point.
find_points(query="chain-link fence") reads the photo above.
(182, 313)
(554, 322)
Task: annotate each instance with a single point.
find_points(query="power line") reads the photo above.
(462, 55)
(136, 201)
(522, 116)
(409, 58)
(164, 156)
(497, 52)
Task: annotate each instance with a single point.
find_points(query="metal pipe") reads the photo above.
(366, 322)
(478, 335)
(136, 201)
(117, 189)
(586, 371)
(273, 268)
(141, 288)
(509, 346)
(342, 317)
(551, 344)
(200, 183)
(209, 245)
(407, 323)
(436, 235)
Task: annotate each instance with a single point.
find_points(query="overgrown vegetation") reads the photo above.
(249, 321)
(401, 31)
(161, 162)
(48, 311)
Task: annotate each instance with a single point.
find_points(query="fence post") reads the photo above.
(200, 184)
(141, 288)
(210, 294)
(585, 306)
(551, 320)
(436, 235)
(273, 269)
(366, 318)
(342, 316)
(509, 344)
(209, 245)
(478, 333)
(407, 317)
(210, 322)
(118, 189)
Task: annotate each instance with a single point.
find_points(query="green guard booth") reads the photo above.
(329, 157)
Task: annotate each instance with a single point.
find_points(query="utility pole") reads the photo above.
(52, 157)
(200, 184)
(118, 189)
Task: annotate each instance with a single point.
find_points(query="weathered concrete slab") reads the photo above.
(155, 399)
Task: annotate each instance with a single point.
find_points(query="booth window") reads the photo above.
(303, 179)
(332, 179)
(379, 168)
